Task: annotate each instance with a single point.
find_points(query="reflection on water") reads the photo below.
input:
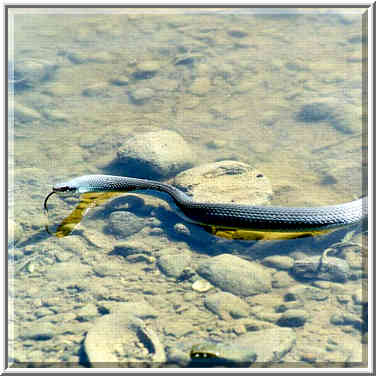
(279, 91)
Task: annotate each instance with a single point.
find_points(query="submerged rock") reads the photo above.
(227, 305)
(156, 154)
(225, 182)
(124, 224)
(343, 117)
(119, 339)
(238, 276)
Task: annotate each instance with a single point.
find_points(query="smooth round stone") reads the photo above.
(227, 305)
(156, 154)
(174, 265)
(146, 70)
(123, 224)
(235, 275)
(120, 80)
(201, 286)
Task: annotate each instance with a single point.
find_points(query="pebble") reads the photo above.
(226, 182)
(235, 275)
(227, 306)
(120, 80)
(156, 154)
(131, 247)
(279, 262)
(141, 95)
(141, 258)
(174, 265)
(98, 90)
(146, 70)
(123, 224)
(293, 318)
(182, 229)
(201, 285)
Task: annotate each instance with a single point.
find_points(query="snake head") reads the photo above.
(60, 187)
(63, 187)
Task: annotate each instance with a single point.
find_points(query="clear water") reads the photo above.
(232, 83)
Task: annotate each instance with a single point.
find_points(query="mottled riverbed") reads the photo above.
(152, 93)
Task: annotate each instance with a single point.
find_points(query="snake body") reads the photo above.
(260, 218)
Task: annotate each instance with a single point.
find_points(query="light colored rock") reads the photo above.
(225, 182)
(235, 275)
(201, 285)
(124, 224)
(119, 339)
(160, 153)
(141, 95)
(227, 305)
(174, 265)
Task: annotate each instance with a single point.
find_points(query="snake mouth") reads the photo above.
(55, 190)
(46, 199)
